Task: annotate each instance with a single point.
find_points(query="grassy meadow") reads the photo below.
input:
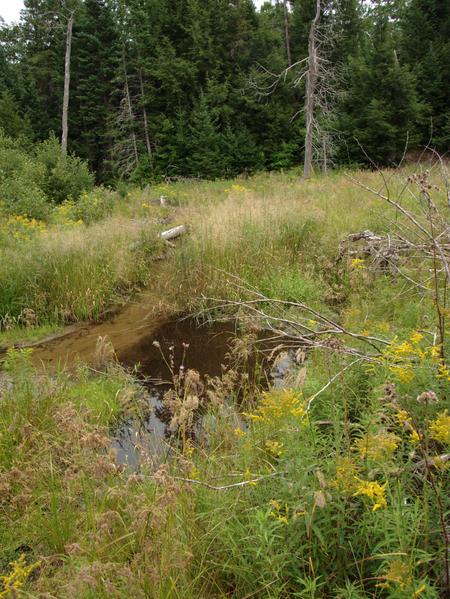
(335, 485)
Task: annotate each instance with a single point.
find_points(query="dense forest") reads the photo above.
(214, 88)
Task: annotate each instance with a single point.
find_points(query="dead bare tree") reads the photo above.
(312, 75)
(65, 111)
(287, 40)
(55, 20)
(145, 119)
(321, 85)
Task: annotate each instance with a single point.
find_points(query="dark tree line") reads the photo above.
(176, 87)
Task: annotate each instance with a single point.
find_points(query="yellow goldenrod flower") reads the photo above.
(239, 432)
(416, 337)
(398, 573)
(377, 447)
(279, 512)
(15, 580)
(404, 373)
(346, 478)
(443, 372)
(274, 448)
(357, 263)
(279, 405)
(402, 417)
(373, 491)
(414, 436)
(440, 428)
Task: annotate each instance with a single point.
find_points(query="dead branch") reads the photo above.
(242, 483)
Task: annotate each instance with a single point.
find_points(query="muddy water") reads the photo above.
(178, 342)
(133, 332)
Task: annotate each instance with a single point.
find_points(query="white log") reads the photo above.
(173, 233)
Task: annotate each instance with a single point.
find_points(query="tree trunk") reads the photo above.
(144, 113)
(311, 82)
(65, 112)
(286, 33)
(130, 110)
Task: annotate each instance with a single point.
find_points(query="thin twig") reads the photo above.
(242, 483)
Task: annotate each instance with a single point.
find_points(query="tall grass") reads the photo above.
(345, 497)
(74, 274)
(276, 233)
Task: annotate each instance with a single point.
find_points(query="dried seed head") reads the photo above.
(427, 397)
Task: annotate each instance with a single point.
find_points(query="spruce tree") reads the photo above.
(96, 59)
(380, 112)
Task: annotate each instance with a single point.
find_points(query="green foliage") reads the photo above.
(65, 177)
(171, 89)
(381, 110)
(334, 485)
(33, 178)
(20, 178)
(11, 122)
(75, 273)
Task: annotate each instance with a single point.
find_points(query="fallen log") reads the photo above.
(173, 232)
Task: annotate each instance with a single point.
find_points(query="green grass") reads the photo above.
(19, 335)
(351, 496)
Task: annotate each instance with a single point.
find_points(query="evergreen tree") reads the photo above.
(204, 158)
(426, 48)
(167, 88)
(381, 110)
(96, 59)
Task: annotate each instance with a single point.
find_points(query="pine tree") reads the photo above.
(426, 48)
(203, 146)
(381, 110)
(96, 59)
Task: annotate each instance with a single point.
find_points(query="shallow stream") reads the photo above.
(133, 332)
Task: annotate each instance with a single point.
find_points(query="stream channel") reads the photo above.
(133, 332)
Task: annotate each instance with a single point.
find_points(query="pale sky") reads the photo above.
(10, 9)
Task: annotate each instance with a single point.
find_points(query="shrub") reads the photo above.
(31, 179)
(20, 192)
(65, 177)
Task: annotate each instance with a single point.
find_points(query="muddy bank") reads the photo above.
(130, 326)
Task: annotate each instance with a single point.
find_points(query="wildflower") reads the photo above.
(440, 428)
(357, 263)
(279, 512)
(239, 432)
(15, 580)
(404, 373)
(398, 573)
(402, 417)
(274, 448)
(377, 447)
(427, 397)
(403, 348)
(435, 352)
(374, 491)
(239, 188)
(320, 499)
(278, 405)
(414, 436)
(416, 337)
(440, 463)
(443, 372)
(346, 477)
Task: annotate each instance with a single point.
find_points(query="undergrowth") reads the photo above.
(335, 485)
